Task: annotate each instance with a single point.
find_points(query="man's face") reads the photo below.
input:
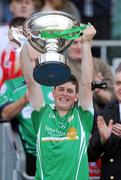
(117, 86)
(65, 96)
(75, 50)
(22, 8)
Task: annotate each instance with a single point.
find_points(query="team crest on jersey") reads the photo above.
(72, 133)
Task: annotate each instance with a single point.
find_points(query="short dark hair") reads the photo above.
(74, 81)
(17, 21)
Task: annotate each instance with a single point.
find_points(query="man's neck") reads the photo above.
(62, 112)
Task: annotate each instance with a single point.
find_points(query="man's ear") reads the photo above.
(76, 98)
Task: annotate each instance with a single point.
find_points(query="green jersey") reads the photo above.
(62, 143)
(13, 90)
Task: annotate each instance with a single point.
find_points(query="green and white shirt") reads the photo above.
(62, 143)
(10, 92)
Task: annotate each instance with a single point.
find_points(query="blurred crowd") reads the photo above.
(105, 16)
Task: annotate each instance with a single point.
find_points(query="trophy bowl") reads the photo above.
(46, 30)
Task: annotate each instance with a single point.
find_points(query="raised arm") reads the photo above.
(85, 92)
(34, 90)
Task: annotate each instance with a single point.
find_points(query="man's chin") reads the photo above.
(77, 58)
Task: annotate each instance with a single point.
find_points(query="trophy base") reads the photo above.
(51, 73)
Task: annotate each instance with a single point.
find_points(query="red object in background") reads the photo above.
(95, 168)
(7, 66)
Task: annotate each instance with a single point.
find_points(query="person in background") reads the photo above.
(10, 57)
(105, 142)
(18, 8)
(66, 126)
(101, 72)
(98, 13)
(24, 8)
(10, 64)
(61, 5)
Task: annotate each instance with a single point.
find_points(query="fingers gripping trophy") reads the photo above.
(51, 32)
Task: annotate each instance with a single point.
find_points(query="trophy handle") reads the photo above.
(16, 35)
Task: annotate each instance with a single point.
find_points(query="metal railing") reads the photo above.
(12, 155)
(104, 45)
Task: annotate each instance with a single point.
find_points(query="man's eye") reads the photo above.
(60, 89)
(70, 91)
(118, 83)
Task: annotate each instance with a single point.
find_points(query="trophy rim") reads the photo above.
(26, 29)
(50, 12)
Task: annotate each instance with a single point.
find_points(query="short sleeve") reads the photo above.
(87, 118)
(36, 118)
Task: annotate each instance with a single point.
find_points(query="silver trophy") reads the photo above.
(48, 30)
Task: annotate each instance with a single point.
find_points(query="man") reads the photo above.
(65, 127)
(105, 141)
(101, 72)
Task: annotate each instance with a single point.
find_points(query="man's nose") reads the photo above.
(65, 92)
